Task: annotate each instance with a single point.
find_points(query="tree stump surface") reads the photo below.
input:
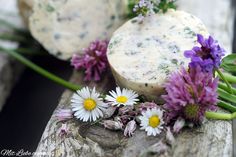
(10, 69)
(212, 139)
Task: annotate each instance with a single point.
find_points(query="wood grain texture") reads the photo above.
(212, 139)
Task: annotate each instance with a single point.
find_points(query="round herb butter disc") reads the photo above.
(65, 27)
(143, 55)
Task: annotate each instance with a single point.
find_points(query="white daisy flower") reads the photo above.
(152, 121)
(122, 97)
(87, 105)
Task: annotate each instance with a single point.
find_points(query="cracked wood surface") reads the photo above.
(213, 138)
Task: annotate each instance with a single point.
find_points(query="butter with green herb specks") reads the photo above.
(147, 53)
(65, 27)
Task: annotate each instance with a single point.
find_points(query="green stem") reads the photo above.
(40, 70)
(220, 116)
(227, 106)
(225, 80)
(29, 52)
(13, 37)
(230, 78)
(224, 87)
(226, 96)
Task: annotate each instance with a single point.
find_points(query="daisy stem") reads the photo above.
(40, 70)
(222, 76)
(227, 106)
(220, 116)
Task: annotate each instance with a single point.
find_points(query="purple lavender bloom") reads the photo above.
(190, 95)
(208, 56)
(94, 61)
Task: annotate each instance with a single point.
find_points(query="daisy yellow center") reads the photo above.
(154, 121)
(89, 104)
(121, 99)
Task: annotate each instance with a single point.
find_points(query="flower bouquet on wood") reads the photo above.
(169, 70)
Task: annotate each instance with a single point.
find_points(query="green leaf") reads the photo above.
(227, 106)
(172, 5)
(131, 4)
(226, 96)
(224, 87)
(229, 63)
(163, 6)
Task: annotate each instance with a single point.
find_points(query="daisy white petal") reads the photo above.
(100, 113)
(95, 113)
(113, 94)
(87, 105)
(118, 91)
(151, 121)
(124, 97)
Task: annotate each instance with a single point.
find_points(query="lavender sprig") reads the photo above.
(208, 56)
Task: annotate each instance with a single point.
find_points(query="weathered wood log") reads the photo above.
(212, 139)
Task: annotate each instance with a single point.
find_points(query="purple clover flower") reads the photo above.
(94, 61)
(190, 95)
(208, 56)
